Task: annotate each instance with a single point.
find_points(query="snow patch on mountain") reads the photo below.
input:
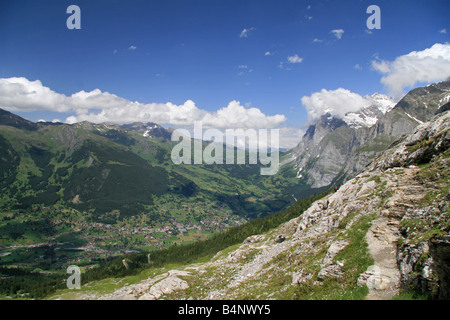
(369, 115)
(413, 118)
(445, 99)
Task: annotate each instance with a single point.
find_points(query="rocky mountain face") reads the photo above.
(382, 233)
(333, 150)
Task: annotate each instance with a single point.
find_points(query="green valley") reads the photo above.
(86, 193)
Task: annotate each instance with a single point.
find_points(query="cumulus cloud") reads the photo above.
(132, 48)
(429, 65)
(381, 65)
(337, 33)
(246, 32)
(335, 102)
(20, 94)
(290, 137)
(237, 116)
(295, 59)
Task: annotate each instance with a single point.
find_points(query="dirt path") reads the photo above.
(382, 237)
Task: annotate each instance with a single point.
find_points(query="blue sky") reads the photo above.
(264, 54)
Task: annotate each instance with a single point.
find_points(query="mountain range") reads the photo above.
(384, 234)
(86, 193)
(335, 149)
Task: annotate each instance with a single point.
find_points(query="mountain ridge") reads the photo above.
(333, 150)
(81, 194)
(383, 234)
(84, 193)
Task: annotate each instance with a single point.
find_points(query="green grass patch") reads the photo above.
(356, 259)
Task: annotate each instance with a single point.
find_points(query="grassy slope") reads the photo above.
(275, 281)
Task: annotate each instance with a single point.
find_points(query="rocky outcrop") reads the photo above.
(425, 267)
(424, 257)
(440, 252)
(165, 286)
(417, 268)
(427, 140)
(331, 269)
(150, 289)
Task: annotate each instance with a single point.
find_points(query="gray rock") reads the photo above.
(429, 138)
(333, 250)
(416, 267)
(440, 252)
(255, 238)
(298, 277)
(331, 271)
(371, 278)
(165, 286)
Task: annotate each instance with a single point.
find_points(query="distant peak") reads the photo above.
(10, 119)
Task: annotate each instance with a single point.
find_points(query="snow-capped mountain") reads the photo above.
(148, 129)
(368, 116)
(334, 148)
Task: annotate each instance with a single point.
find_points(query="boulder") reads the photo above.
(165, 286)
(332, 271)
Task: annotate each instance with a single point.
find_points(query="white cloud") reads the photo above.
(429, 65)
(357, 67)
(336, 102)
(290, 137)
(246, 32)
(295, 59)
(337, 33)
(443, 31)
(132, 48)
(20, 94)
(381, 66)
(237, 116)
(268, 53)
(317, 40)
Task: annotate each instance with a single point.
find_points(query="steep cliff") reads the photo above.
(334, 150)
